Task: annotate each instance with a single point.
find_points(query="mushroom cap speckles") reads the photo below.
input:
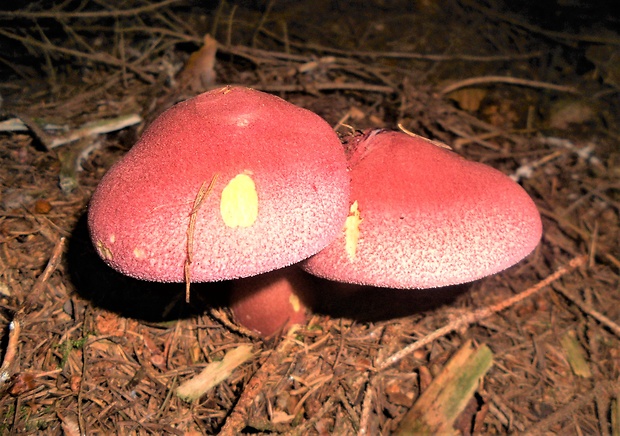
(280, 194)
(427, 218)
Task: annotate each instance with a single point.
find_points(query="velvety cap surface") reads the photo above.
(421, 216)
(280, 190)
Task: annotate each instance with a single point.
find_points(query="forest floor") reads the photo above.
(86, 350)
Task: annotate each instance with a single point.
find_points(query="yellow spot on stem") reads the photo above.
(239, 203)
(352, 231)
(295, 303)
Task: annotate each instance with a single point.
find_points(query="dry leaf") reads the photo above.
(69, 424)
(214, 373)
(468, 99)
(199, 73)
(576, 355)
(437, 409)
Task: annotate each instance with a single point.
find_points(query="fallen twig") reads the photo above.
(527, 170)
(326, 87)
(367, 408)
(220, 316)
(585, 308)
(480, 314)
(408, 55)
(97, 127)
(203, 192)
(569, 409)
(10, 351)
(567, 36)
(24, 123)
(460, 323)
(29, 124)
(509, 80)
(103, 58)
(239, 415)
(214, 373)
(15, 324)
(59, 14)
(52, 264)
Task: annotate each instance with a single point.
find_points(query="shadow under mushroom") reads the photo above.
(148, 301)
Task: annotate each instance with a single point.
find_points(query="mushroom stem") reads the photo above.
(273, 301)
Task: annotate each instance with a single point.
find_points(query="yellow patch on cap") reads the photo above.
(239, 203)
(104, 251)
(352, 231)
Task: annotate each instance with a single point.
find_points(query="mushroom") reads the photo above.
(228, 184)
(421, 217)
(273, 301)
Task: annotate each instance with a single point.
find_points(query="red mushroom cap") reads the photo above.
(280, 190)
(423, 217)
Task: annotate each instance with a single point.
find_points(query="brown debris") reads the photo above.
(87, 351)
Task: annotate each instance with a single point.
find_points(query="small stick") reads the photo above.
(44, 138)
(510, 80)
(569, 36)
(413, 135)
(23, 122)
(60, 15)
(15, 324)
(239, 415)
(465, 320)
(569, 409)
(202, 194)
(220, 316)
(104, 58)
(480, 314)
(408, 55)
(331, 86)
(51, 266)
(527, 170)
(230, 26)
(366, 408)
(97, 127)
(262, 21)
(585, 308)
(11, 350)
